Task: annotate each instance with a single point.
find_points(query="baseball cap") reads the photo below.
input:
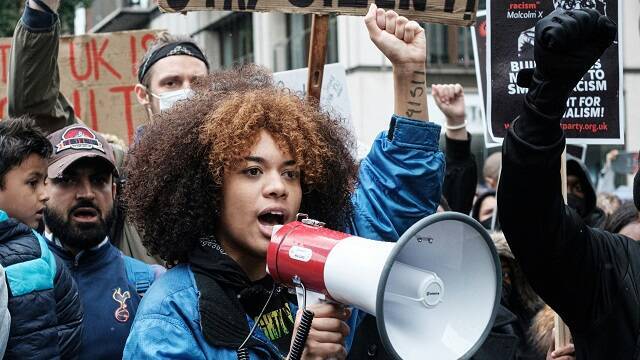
(76, 142)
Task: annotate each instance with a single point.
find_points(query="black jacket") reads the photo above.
(588, 276)
(46, 315)
(461, 175)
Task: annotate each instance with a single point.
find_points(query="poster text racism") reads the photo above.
(594, 110)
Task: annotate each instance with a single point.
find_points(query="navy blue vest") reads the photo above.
(109, 299)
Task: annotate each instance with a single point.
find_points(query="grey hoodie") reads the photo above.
(5, 317)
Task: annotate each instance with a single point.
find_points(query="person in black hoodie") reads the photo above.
(46, 314)
(581, 194)
(588, 276)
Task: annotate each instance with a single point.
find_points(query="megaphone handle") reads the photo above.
(301, 335)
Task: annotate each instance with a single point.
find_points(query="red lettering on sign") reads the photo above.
(144, 42)
(134, 54)
(4, 49)
(77, 106)
(72, 62)
(98, 59)
(3, 104)
(92, 110)
(148, 38)
(128, 111)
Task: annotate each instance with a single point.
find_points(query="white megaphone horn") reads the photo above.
(434, 292)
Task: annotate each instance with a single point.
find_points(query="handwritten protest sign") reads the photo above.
(594, 112)
(454, 12)
(335, 96)
(97, 75)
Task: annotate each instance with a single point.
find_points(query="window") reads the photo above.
(438, 41)
(449, 45)
(236, 39)
(293, 52)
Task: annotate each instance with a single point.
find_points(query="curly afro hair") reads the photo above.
(175, 172)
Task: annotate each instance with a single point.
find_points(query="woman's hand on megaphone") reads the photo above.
(328, 331)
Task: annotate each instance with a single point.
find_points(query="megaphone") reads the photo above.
(434, 292)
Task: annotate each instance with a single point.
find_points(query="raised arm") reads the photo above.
(461, 177)
(403, 42)
(401, 178)
(574, 268)
(34, 78)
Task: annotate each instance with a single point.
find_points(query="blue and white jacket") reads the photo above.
(46, 314)
(400, 182)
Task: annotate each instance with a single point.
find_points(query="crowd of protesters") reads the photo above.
(160, 251)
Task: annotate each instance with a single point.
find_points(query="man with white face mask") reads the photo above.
(167, 70)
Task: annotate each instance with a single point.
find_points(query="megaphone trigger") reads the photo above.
(306, 297)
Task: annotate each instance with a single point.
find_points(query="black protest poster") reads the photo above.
(594, 112)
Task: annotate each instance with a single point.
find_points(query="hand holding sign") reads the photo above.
(400, 40)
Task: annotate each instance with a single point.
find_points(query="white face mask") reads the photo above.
(168, 99)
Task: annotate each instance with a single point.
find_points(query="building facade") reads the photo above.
(280, 42)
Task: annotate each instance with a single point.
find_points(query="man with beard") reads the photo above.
(78, 217)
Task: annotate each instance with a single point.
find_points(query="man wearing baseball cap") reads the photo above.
(78, 218)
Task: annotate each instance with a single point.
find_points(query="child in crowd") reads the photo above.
(46, 315)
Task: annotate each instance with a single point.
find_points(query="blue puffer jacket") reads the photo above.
(46, 314)
(400, 183)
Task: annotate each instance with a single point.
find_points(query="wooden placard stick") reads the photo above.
(317, 55)
(562, 335)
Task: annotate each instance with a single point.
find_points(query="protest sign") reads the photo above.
(334, 96)
(594, 112)
(454, 12)
(97, 74)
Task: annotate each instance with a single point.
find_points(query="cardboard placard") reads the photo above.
(454, 12)
(594, 112)
(334, 96)
(97, 75)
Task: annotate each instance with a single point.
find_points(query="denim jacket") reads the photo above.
(400, 182)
